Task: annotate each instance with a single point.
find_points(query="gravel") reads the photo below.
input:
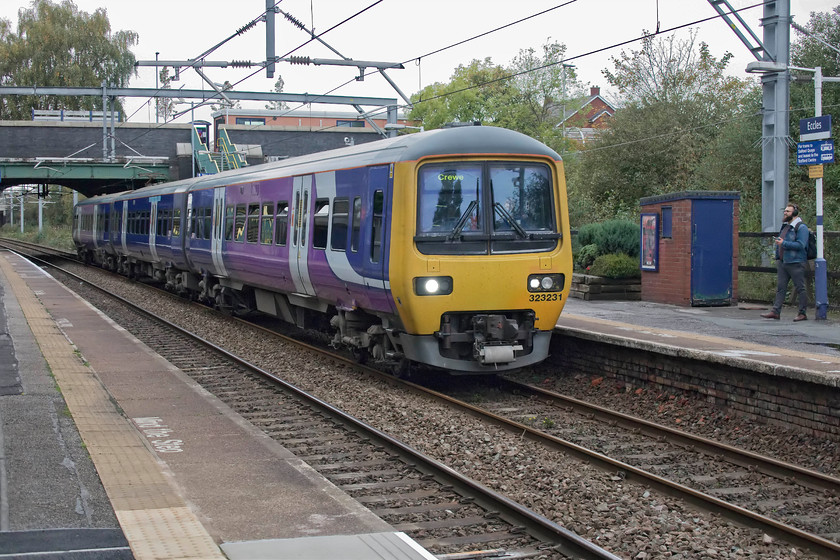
(626, 518)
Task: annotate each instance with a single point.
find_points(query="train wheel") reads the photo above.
(400, 369)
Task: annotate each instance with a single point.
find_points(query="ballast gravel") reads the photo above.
(626, 518)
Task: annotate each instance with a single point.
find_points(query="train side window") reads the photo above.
(208, 223)
(147, 223)
(160, 227)
(176, 222)
(376, 226)
(296, 220)
(322, 222)
(356, 230)
(302, 219)
(281, 225)
(253, 233)
(239, 223)
(340, 222)
(229, 219)
(267, 223)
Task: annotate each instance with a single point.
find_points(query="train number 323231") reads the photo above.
(543, 297)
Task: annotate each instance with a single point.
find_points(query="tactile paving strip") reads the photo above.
(156, 521)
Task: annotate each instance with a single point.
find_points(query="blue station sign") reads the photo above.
(815, 128)
(815, 153)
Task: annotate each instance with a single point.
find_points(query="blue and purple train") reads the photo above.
(449, 247)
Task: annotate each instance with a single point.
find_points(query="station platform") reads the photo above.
(108, 451)
(734, 335)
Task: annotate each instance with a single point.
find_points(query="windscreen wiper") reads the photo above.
(462, 221)
(506, 215)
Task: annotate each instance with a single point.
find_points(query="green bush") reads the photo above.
(616, 266)
(586, 256)
(618, 237)
(587, 233)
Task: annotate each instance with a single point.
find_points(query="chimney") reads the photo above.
(594, 90)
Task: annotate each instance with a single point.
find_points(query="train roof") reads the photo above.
(461, 140)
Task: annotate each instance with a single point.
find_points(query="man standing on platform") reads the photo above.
(791, 259)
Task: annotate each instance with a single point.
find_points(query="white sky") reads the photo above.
(403, 30)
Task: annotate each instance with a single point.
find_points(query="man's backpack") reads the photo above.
(811, 248)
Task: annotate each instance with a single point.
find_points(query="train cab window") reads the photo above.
(267, 223)
(253, 233)
(239, 223)
(176, 222)
(229, 219)
(356, 229)
(377, 226)
(340, 223)
(281, 223)
(322, 223)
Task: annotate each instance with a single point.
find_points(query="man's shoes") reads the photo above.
(773, 315)
(800, 317)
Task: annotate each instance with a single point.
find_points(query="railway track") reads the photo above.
(444, 511)
(785, 501)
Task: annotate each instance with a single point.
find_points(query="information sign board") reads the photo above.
(815, 153)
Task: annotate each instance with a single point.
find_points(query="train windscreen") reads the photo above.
(481, 207)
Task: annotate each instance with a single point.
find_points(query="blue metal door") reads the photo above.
(711, 252)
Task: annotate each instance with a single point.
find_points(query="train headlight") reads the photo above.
(433, 286)
(546, 282)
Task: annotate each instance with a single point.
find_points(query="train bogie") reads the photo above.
(448, 248)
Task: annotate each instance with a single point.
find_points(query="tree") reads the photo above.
(676, 98)
(480, 91)
(165, 106)
(56, 44)
(809, 51)
(278, 88)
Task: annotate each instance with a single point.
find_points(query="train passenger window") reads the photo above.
(229, 215)
(340, 222)
(267, 223)
(376, 226)
(296, 220)
(281, 225)
(147, 223)
(239, 223)
(322, 222)
(253, 233)
(356, 229)
(176, 222)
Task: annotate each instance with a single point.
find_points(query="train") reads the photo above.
(448, 248)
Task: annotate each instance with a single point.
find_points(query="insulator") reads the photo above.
(300, 60)
(245, 28)
(241, 63)
(294, 21)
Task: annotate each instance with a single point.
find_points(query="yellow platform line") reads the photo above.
(156, 521)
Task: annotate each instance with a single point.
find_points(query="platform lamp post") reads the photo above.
(820, 269)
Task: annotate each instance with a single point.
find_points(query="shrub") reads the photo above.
(586, 256)
(587, 233)
(616, 266)
(618, 237)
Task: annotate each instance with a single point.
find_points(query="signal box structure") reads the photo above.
(689, 248)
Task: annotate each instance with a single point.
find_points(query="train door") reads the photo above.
(378, 217)
(153, 212)
(217, 237)
(298, 249)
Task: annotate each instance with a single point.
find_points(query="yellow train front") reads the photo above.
(481, 257)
